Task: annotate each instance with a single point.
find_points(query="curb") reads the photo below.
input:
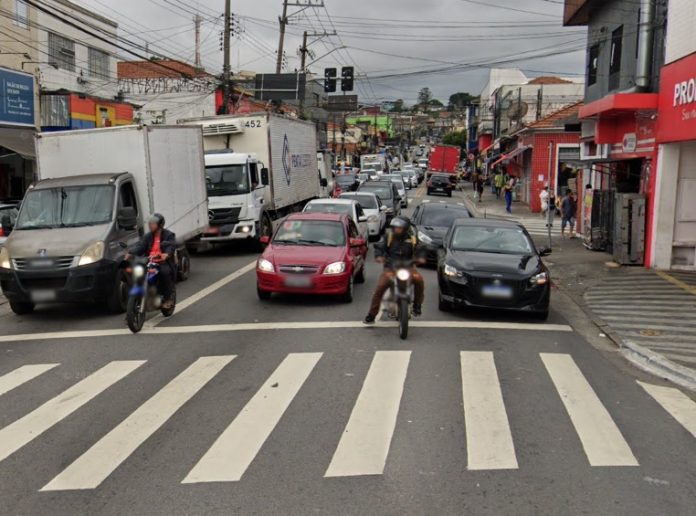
(641, 357)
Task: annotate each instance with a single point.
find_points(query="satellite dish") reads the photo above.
(517, 110)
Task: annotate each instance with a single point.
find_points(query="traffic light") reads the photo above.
(347, 73)
(329, 80)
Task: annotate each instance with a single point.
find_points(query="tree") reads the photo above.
(460, 100)
(425, 96)
(435, 103)
(398, 106)
(457, 138)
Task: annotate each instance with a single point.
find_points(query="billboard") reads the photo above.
(17, 93)
(342, 103)
(280, 86)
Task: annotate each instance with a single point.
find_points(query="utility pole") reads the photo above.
(226, 50)
(303, 51)
(283, 22)
(197, 24)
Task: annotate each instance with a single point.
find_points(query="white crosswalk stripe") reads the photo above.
(237, 446)
(91, 468)
(362, 449)
(488, 438)
(365, 442)
(21, 375)
(601, 439)
(24, 430)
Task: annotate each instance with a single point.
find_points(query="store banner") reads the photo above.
(677, 108)
(17, 101)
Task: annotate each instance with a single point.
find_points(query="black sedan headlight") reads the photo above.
(452, 272)
(541, 278)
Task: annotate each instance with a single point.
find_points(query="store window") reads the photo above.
(21, 14)
(615, 58)
(592, 65)
(61, 52)
(98, 63)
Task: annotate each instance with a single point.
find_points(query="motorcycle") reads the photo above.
(144, 296)
(400, 298)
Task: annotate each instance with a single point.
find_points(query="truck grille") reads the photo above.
(298, 269)
(43, 283)
(34, 264)
(220, 216)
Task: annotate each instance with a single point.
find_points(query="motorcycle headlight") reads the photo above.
(92, 254)
(450, 271)
(138, 271)
(424, 238)
(539, 279)
(335, 268)
(265, 265)
(5, 259)
(403, 274)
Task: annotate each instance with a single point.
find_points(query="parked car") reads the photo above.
(433, 221)
(312, 253)
(8, 218)
(387, 193)
(350, 207)
(493, 264)
(373, 208)
(440, 183)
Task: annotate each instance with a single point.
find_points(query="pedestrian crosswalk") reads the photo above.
(363, 446)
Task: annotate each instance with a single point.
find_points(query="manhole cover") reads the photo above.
(650, 333)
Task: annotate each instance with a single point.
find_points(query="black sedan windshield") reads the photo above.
(491, 240)
(384, 192)
(442, 218)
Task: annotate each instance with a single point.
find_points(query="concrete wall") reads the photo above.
(681, 21)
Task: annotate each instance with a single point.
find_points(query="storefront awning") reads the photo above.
(512, 154)
(619, 103)
(19, 140)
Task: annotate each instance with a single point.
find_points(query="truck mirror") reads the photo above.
(323, 182)
(264, 177)
(127, 218)
(6, 224)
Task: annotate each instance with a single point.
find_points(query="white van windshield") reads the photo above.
(73, 206)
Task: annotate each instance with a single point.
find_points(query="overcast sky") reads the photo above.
(392, 42)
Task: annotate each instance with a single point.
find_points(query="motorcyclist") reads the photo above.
(398, 246)
(159, 245)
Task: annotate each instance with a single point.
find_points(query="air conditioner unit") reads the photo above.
(590, 151)
(67, 52)
(226, 128)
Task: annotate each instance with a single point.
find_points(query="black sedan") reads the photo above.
(493, 264)
(433, 220)
(440, 184)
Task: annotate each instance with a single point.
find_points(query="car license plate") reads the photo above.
(43, 296)
(438, 189)
(298, 282)
(497, 291)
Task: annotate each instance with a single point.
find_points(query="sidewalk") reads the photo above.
(648, 314)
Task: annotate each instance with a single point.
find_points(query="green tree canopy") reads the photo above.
(457, 138)
(461, 99)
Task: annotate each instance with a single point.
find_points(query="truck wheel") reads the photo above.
(184, 268)
(21, 308)
(117, 301)
(266, 228)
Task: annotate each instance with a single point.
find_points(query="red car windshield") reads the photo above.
(310, 232)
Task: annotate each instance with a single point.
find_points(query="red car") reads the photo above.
(312, 253)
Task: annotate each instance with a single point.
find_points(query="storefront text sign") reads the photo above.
(677, 109)
(17, 90)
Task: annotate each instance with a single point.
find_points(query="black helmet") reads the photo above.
(157, 218)
(400, 222)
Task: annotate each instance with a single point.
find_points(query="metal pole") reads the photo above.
(197, 24)
(226, 65)
(281, 42)
(550, 209)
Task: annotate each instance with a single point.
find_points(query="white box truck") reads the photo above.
(96, 189)
(259, 167)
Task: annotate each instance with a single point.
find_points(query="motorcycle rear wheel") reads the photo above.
(134, 316)
(403, 318)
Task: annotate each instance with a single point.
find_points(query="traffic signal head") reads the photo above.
(329, 80)
(347, 74)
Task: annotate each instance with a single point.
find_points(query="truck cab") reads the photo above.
(236, 192)
(69, 242)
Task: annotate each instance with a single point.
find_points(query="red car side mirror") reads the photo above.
(265, 240)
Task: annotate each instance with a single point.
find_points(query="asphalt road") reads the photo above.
(234, 406)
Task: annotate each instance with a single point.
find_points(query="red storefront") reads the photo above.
(673, 230)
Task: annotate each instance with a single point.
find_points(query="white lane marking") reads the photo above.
(97, 463)
(679, 405)
(29, 427)
(232, 453)
(21, 375)
(307, 325)
(364, 445)
(488, 438)
(601, 438)
(185, 303)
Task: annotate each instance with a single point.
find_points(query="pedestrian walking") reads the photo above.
(499, 182)
(508, 194)
(569, 208)
(544, 199)
(480, 187)
(474, 183)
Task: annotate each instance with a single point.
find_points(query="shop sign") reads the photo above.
(629, 143)
(17, 90)
(677, 109)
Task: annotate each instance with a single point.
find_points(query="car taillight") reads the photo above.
(2, 232)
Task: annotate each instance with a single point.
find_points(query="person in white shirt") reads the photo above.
(544, 198)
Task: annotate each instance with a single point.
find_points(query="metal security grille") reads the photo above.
(61, 51)
(98, 63)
